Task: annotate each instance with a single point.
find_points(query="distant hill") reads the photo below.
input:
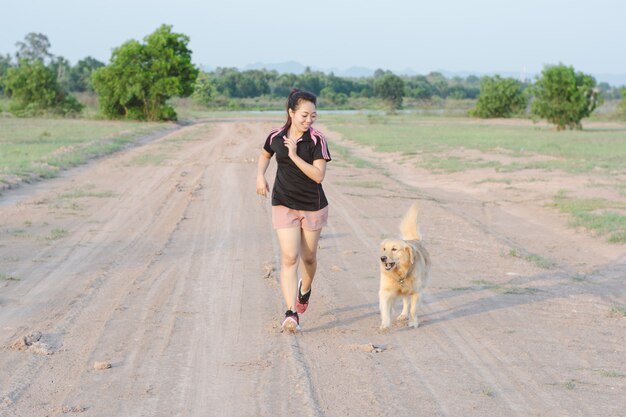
(293, 67)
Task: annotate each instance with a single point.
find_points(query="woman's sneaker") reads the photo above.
(291, 322)
(302, 300)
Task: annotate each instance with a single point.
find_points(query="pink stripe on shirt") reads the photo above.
(317, 135)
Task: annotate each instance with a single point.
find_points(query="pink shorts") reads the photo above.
(284, 217)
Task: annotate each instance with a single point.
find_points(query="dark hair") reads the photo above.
(294, 99)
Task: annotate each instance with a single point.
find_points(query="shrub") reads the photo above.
(499, 97)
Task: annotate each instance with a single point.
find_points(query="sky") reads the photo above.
(475, 36)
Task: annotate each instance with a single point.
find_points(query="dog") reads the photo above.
(404, 271)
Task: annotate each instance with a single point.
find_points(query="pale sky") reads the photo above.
(482, 36)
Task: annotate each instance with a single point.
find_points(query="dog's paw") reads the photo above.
(414, 324)
(401, 317)
(384, 327)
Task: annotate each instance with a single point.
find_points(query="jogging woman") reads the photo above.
(299, 205)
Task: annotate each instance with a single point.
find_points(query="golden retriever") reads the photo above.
(404, 271)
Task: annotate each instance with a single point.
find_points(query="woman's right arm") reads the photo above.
(262, 188)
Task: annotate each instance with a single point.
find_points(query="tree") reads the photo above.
(499, 97)
(34, 90)
(564, 97)
(34, 47)
(5, 64)
(141, 77)
(390, 88)
(622, 104)
(80, 74)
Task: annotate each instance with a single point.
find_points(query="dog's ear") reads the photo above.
(409, 250)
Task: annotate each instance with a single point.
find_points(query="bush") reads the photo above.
(499, 97)
(34, 91)
(564, 97)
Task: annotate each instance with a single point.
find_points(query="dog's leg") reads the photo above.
(405, 309)
(385, 305)
(414, 302)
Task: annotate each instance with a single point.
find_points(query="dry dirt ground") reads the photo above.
(140, 285)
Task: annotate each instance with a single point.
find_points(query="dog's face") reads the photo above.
(395, 254)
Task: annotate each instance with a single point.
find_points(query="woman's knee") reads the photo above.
(309, 258)
(289, 259)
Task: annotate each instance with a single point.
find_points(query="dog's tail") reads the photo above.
(408, 227)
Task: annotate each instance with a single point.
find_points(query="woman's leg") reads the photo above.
(308, 257)
(289, 241)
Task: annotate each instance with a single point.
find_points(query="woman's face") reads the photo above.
(304, 115)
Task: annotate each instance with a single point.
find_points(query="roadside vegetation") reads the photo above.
(32, 149)
(55, 115)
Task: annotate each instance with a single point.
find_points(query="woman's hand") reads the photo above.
(261, 186)
(292, 146)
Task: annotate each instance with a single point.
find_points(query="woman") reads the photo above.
(299, 205)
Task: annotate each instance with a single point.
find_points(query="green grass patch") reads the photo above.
(346, 155)
(598, 215)
(361, 184)
(149, 159)
(40, 148)
(56, 234)
(571, 384)
(86, 194)
(500, 289)
(455, 164)
(610, 374)
(597, 148)
(7, 277)
(507, 181)
(617, 311)
(539, 261)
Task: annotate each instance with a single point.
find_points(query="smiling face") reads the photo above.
(395, 254)
(303, 116)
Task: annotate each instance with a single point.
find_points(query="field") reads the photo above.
(146, 283)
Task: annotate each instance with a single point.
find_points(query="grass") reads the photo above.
(617, 311)
(571, 384)
(598, 215)
(346, 155)
(149, 159)
(487, 392)
(361, 184)
(610, 374)
(40, 148)
(7, 277)
(56, 234)
(506, 181)
(505, 289)
(539, 261)
(596, 148)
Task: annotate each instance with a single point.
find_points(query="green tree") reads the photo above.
(622, 104)
(141, 77)
(34, 90)
(5, 64)
(499, 97)
(62, 68)
(390, 88)
(35, 47)
(80, 74)
(564, 97)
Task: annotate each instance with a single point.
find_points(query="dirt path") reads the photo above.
(167, 271)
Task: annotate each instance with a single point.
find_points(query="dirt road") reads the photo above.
(167, 270)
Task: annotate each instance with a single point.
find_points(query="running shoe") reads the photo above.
(291, 322)
(302, 300)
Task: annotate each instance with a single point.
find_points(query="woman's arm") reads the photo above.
(262, 188)
(315, 171)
